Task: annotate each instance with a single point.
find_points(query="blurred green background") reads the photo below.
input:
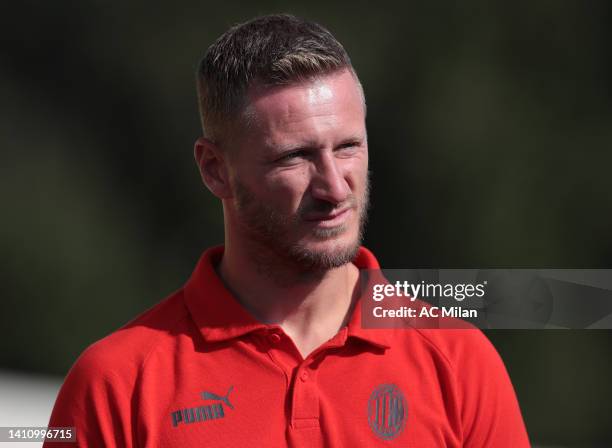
(490, 130)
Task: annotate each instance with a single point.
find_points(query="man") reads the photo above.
(263, 346)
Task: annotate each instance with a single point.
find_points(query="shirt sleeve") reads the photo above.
(95, 401)
(490, 412)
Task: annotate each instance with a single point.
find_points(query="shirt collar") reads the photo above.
(366, 262)
(214, 309)
(219, 316)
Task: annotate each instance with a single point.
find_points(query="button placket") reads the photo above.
(305, 409)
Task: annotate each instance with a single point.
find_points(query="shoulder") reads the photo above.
(98, 392)
(126, 350)
(461, 358)
(484, 393)
(460, 347)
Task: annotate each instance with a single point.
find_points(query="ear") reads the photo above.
(213, 169)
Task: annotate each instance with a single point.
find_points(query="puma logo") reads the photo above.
(223, 398)
(203, 413)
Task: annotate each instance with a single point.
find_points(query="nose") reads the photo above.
(329, 183)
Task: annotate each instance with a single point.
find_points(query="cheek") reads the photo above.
(286, 188)
(357, 173)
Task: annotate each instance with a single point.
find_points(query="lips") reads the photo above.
(329, 218)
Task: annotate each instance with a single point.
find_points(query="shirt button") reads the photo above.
(304, 375)
(274, 338)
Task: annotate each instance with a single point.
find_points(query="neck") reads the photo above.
(310, 307)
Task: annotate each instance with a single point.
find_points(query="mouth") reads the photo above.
(332, 219)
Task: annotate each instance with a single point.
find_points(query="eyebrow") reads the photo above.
(353, 139)
(312, 144)
(289, 147)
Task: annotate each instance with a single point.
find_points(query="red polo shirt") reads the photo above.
(198, 370)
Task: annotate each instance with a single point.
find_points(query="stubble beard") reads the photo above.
(270, 232)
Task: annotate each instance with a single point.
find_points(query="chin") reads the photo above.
(328, 253)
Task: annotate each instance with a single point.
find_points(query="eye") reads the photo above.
(348, 146)
(291, 156)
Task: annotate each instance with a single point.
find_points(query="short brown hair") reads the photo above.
(270, 50)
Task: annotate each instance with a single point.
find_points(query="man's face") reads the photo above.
(299, 172)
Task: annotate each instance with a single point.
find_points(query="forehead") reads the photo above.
(319, 108)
